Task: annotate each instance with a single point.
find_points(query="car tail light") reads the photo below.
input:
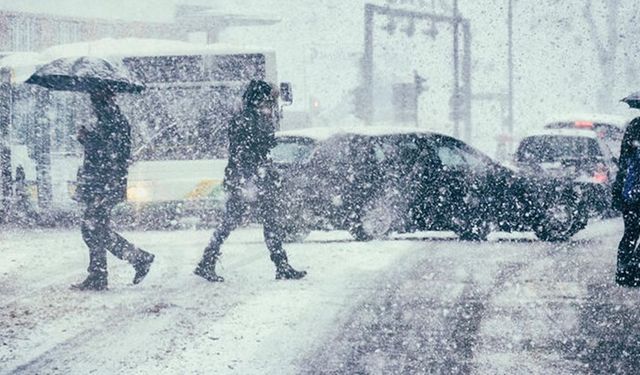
(584, 124)
(601, 176)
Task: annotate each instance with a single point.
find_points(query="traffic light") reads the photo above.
(419, 82)
(314, 105)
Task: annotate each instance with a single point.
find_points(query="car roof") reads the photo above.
(323, 133)
(599, 118)
(562, 133)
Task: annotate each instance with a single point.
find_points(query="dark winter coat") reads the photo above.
(628, 147)
(251, 137)
(107, 153)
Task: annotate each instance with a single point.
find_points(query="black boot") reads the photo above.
(95, 281)
(628, 273)
(142, 266)
(207, 270)
(284, 271)
(627, 278)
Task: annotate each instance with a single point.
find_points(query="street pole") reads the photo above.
(510, 125)
(5, 143)
(456, 74)
(43, 149)
(466, 80)
(367, 64)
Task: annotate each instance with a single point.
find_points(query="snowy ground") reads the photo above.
(411, 304)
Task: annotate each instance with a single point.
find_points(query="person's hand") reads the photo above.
(616, 201)
(82, 134)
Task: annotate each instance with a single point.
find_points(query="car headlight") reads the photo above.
(139, 191)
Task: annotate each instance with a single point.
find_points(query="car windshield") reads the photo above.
(291, 151)
(549, 148)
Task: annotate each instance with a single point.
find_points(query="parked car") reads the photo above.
(609, 129)
(580, 156)
(373, 181)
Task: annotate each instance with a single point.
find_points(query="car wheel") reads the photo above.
(469, 221)
(377, 220)
(562, 218)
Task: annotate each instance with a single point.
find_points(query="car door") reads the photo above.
(329, 165)
(461, 185)
(398, 156)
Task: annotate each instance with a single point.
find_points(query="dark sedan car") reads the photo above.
(578, 156)
(372, 182)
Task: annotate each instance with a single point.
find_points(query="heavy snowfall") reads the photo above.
(319, 187)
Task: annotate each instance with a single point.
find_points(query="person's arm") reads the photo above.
(627, 148)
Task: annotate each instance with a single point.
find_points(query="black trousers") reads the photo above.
(627, 249)
(237, 206)
(100, 237)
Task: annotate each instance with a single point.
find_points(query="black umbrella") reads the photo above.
(633, 100)
(85, 74)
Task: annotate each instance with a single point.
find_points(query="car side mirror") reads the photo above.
(286, 94)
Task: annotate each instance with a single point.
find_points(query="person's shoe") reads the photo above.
(95, 281)
(626, 278)
(142, 267)
(208, 273)
(286, 272)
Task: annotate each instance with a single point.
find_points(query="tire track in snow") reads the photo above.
(412, 325)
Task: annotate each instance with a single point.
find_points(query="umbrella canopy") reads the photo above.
(633, 100)
(85, 74)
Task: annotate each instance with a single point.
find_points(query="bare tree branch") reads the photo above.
(593, 28)
(612, 28)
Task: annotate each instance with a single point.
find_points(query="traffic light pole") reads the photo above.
(510, 125)
(456, 73)
(461, 103)
(367, 65)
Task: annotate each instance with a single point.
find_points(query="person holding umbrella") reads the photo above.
(626, 198)
(107, 151)
(249, 177)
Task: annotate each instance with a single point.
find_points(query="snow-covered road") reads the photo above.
(175, 322)
(490, 307)
(521, 307)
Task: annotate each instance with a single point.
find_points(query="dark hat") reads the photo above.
(633, 100)
(258, 91)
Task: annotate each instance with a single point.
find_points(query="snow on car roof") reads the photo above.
(562, 133)
(322, 133)
(603, 118)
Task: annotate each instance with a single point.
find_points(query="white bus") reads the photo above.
(178, 122)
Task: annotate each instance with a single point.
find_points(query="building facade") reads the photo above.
(21, 32)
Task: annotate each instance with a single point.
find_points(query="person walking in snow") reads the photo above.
(102, 184)
(249, 178)
(628, 260)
